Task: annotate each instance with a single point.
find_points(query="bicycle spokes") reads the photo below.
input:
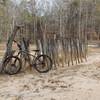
(12, 65)
(43, 63)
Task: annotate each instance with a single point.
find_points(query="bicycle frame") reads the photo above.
(21, 52)
(29, 60)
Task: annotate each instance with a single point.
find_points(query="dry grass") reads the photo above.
(2, 49)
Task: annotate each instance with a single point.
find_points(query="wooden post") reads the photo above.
(10, 42)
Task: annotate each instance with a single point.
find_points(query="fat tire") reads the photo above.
(5, 64)
(49, 66)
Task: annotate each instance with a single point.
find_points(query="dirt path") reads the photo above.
(81, 82)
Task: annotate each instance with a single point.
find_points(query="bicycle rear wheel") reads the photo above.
(12, 65)
(43, 63)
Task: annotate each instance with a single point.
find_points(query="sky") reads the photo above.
(18, 1)
(40, 5)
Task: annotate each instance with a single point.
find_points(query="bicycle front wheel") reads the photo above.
(43, 63)
(12, 65)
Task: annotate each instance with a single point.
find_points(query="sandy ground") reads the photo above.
(81, 82)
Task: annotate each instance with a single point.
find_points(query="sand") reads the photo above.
(79, 82)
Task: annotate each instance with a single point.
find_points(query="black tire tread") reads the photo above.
(8, 58)
(49, 67)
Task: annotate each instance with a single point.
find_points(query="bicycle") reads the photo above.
(13, 63)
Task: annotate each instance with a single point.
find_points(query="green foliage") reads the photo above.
(76, 3)
(27, 16)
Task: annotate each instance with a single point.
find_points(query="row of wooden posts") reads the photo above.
(64, 50)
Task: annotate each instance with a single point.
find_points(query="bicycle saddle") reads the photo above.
(36, 50)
